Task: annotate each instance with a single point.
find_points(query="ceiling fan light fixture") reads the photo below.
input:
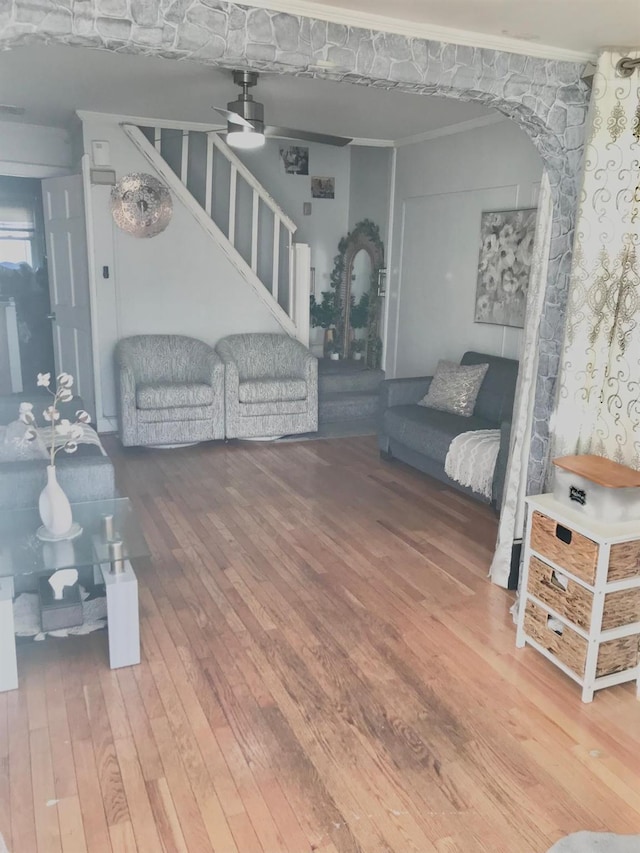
(245, 139)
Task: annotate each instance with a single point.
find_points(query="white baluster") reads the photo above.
(276, 257)
(233, 186)
(208, 190)
(157, 138)
(292, 278)
(184, 166)
(254, 231)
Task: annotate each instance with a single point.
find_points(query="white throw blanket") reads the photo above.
(471, 459)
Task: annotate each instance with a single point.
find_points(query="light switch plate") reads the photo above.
(103, 176)
(306, 208)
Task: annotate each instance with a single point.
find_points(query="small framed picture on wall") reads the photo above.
(323, 187)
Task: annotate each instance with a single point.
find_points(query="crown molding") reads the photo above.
(372, 143)
(450, 129)
(416, 29)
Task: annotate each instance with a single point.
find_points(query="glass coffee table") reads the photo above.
(110, 539)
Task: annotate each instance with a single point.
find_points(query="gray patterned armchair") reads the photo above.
(170, 390)
(271, 386)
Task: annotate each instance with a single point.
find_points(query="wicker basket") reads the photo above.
(571, 649)
(578, 554)
(624, 561)
(575, 603)
(565, 547)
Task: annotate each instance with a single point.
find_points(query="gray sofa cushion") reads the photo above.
(496, 395)
(428, 431)
(171, 395)
(272, 390)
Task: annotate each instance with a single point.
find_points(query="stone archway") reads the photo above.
(548, 99)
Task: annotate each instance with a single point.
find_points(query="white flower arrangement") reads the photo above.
(64, 434)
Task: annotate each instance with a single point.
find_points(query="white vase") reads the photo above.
(54, 506)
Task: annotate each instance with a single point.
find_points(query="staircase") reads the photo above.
(347, 398)
(238, 214)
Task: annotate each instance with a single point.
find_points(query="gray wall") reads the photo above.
(370, 187)
(34, 151)
(441, 188)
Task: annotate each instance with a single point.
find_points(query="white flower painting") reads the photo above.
(506, 249)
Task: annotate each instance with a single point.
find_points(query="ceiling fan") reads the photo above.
(245, 120)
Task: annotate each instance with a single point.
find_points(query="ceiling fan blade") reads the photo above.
(307, 136)
(234, 118)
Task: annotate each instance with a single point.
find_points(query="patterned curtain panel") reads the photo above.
(598, 407)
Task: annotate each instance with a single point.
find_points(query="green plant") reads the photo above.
(374, 352)
(359, 315)
(325, 313)
(359, 345)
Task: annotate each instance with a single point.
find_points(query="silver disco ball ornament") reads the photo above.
(141, 205)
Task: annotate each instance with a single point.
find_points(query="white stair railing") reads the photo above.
(262, 248)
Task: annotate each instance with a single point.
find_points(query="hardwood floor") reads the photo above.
(325, 668)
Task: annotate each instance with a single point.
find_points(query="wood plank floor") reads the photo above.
(325, 668)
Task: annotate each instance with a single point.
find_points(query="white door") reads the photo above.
(68, 269)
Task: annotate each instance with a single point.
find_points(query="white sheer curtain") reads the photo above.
(512, 513)
(599, 407)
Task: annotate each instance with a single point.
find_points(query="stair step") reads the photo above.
(346, 405)
(334, 376)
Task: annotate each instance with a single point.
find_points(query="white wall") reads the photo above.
(441, 188)
(34, 151)
(177, 282)
(370, 187)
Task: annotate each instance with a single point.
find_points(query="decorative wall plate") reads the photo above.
(141, 205)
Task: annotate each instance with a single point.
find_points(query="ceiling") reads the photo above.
(554, 28)
(51, 82)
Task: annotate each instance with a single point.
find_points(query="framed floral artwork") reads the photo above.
(506, 250)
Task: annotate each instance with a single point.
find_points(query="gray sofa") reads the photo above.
(421, 436)
(88, 475)
(170, 390)
(271, 386)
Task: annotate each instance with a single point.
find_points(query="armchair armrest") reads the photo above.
(401, 392)
(231, 374)
(211, 368)
(126, 399)
(305, 363)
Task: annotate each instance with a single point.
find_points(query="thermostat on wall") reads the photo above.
(100, 153)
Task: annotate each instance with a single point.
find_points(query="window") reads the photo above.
(17, 230)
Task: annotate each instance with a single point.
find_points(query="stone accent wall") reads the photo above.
(546, 98)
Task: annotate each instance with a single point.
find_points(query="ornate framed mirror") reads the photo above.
(356, 279)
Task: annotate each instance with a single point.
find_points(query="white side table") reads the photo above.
(580, 595)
